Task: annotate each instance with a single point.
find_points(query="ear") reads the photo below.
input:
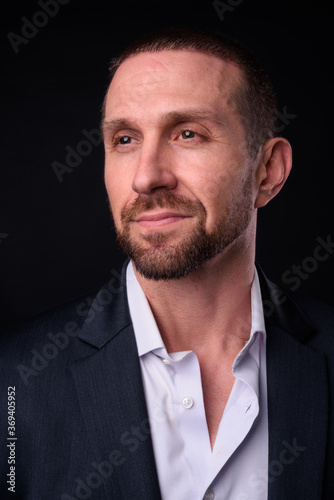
(273, 170)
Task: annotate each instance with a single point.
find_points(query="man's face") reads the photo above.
(177, 171)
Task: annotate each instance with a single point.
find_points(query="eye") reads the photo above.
(188, 134)
(123, 140)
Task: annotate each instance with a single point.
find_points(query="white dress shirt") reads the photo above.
(237, 467)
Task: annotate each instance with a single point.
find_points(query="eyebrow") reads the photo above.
(109, 125)
(171, 116)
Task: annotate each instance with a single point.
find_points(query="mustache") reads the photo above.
(144, 203)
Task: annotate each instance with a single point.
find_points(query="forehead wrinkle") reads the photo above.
(139, 79)
(177, 116)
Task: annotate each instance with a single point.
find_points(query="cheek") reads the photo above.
(215, 180)
(109, 182)
(119, 191)
(114, 189)
(215, 168)
(225, 176)
(219, 192)
(220, 186)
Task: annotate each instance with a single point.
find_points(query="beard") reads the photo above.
(167, 261)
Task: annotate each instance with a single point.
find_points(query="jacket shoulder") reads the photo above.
(307, 319)
(68, 316)
(321, 317)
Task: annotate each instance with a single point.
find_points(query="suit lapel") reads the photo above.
(107, 376)
(297, 400)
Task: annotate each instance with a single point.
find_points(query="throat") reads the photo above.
(217, 384)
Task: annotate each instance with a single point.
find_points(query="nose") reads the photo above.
(155, 168)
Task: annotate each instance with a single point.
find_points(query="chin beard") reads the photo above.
(165, 261)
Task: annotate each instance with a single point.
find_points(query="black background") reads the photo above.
(56, 238)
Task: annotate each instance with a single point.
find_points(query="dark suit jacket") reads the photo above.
(81, 420)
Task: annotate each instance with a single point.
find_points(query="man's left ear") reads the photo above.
(273, 170)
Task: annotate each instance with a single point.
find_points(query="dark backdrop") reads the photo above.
(56, 239)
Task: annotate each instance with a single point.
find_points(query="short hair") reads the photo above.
(255, 97)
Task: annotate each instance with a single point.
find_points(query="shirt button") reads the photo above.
(187, 403)
(209, 495)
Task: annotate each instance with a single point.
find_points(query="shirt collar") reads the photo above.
(146, 331)
(258, 324)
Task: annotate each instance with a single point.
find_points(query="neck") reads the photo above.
(210, 309)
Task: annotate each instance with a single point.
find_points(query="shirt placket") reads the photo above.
(188, 399)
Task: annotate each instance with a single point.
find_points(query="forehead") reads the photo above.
(172, 74)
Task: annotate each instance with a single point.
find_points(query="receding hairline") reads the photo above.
(118, 62)
(239, 77)
(184, 38)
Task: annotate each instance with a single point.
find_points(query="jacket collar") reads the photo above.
(109, 312)
(280, 309)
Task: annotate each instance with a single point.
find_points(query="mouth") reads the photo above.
(151, 221)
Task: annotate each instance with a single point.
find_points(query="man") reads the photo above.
(189, 375)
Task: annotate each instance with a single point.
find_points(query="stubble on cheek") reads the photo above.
(158, 256)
